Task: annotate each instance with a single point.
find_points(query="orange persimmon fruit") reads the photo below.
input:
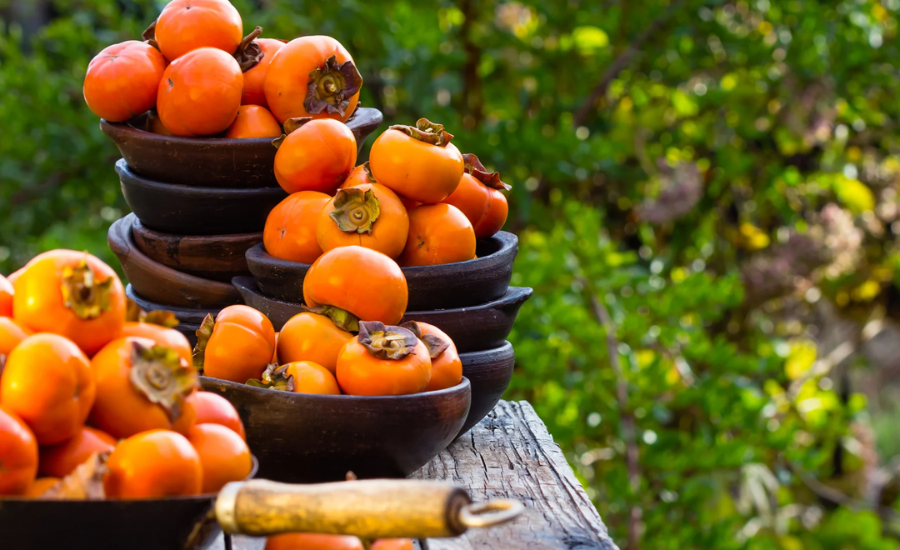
(122, 80)
(212, 408)
(60, 460)
(438, 234)
(446, 366)
(316, 155)
(153, 464)
(187, 25)
(255, 77)
(163, 336)
(18, 454)
(479, 198)
(310, 337)
(368, 215)
(299, 377)
(253, 121)
(224, 456)
(290, 231)
(11, 335)
(6, 297)
(236, 346)
(383, 360)
(358, 176)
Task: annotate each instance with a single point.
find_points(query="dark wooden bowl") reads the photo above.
(303, 438)
(210, 162)
(216, 257)
(489, 372)
(162, 284)
(476, 328)
(187, 210)
(189, 318)
(447, 286)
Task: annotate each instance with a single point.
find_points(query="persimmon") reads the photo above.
(438, 234)
(60, 460)
(255, 77)
(72, 294)
(40, 486)
(253, 121)
(48, 383)
(153, 464)
(275, 354)
(310, 337)
(236, 346)
(479, 198)
(392, 544)
(18, 454)
(368, 215)
(446, 366)
(316, 155)
(290, 232)
(224, 456)
(142, 386)
(409, 204)
(6, 297)
(155, 125)
(163, 336)
(313, 541)
(200, 93)
(383, 360)
(122, 80)
(312, 76)
(362, 282)
(11, 335)
(358, 176)
(187, 25)
(299, 377)
(417, 162)
(212, 408)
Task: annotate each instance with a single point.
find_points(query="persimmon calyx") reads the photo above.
(84, 483)
(368, 171)
(82, 294)
(204, 333)
(355, 210)
(426, 131)
(331, 86)
(386, 342)
(435, 344)
(134, 314)
(249, 53)
(341, 318)
(161, 375)
(274, 378)
(479, 172)
(290, 125)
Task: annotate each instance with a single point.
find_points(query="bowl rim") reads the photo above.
(159, 235)
(126, 172)
(465, 386)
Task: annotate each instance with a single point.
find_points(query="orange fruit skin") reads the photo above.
(186, 25)
(318, 156)
(446, 370)
(40, 486)
(310, 337)
(287, 77)
(6, 297)
(167, 337)
(155, 125)
(18, 454)
(153, 464)
(200, 93)
(485, 207)
(357, 176)
(389, 232)
(212, 408)
(224, 456)
(364, 282)
(15, 275)
(48, 383)
(361, 373)
(414, 169)
(120, 409)
(122, 80)
(253, 121)
(438, 234)
(11, 335)
(312, 541)
(38, 303)
(311, 377)
(60, 460)
(290, 232)
(393, 544)
(241, 345)
(255, 78)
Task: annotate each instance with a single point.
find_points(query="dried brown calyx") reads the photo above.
(426, 131)
(249, 54)
(290, 125)
(134, 314)
(386, 342)
(274, 378)
(435, 344)
(479, 172)
(368, 170)
(159, 373)
(204, 333)
(341, 318)
(355, 210)
(87, 298)
(84, 483)
(149, 35)
(331, 86)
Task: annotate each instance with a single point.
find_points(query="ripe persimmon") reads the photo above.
(290, 232)
(11, 335)
(253, 121)
(224, 456)
(479, 198)
(392, 544)
(40, 486)
(122, 80)
(310, 337)
(446, 366)
(362, 282)
(163, 336)
(212, 408)
(383, 360)
(299, 377)
(142, 386)
(60, 460)
(358, 176)
(153, 464)
(312, 76)
(200, 93)
(316, 155)
(187, 25)
(417, 162)
(155, 125)
(6, 297)
(368, 215)
(255, 77)
(236, 346)
(72, 294)
(312, 541)
(48, 383)
(18, 454)
(438, 234)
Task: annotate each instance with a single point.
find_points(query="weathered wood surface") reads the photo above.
(510, 454)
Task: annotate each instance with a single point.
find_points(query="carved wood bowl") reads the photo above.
(447, 286)
(189, 318)
(210, 162)
(304, 438)
(489, 372)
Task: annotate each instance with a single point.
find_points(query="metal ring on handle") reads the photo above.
(490, 513)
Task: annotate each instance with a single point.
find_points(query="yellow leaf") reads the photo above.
(867, 291)
(589, 40)
(854, 194)
(800, 359)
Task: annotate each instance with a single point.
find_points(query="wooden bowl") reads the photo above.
(216, 257)
(162, 284)
(187, 210)
(304, 438)
(476, 328)
(210, 162)
(489, 372)
(447, 286)
(189, 318)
